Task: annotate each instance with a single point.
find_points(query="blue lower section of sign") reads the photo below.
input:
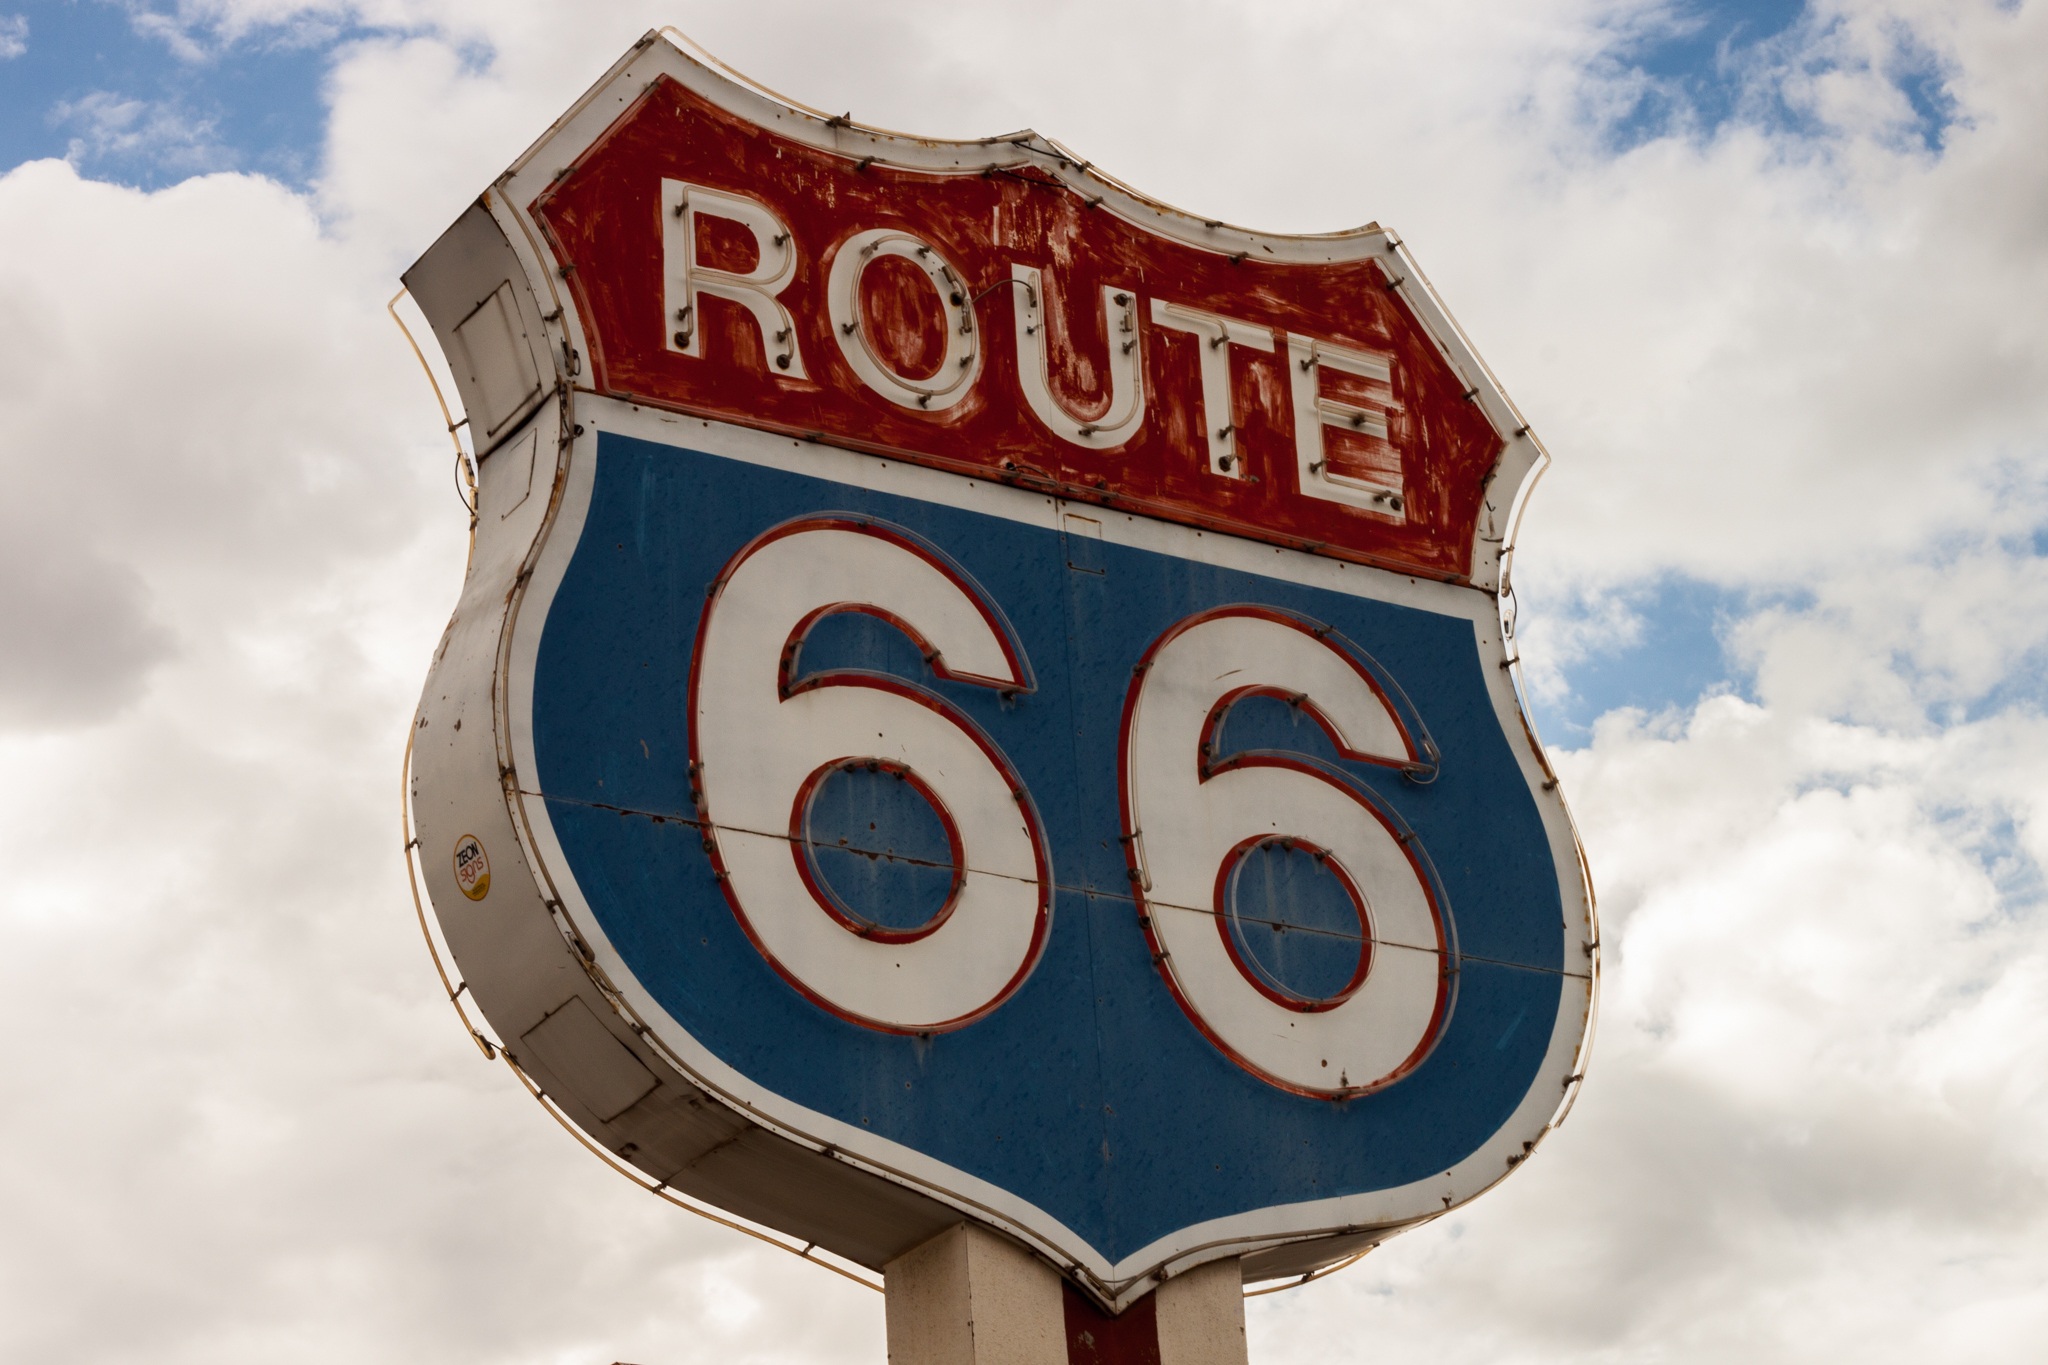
(1089, 1092)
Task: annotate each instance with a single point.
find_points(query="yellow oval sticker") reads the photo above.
(472, 868)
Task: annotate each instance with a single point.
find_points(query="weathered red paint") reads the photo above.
(604, 215)
(1096, 1338)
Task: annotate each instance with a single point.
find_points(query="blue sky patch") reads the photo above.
(1675, 655)
(1701, 65)
(128, 95)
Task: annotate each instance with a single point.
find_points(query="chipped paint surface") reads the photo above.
(1425, 441)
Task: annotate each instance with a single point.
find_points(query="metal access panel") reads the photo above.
(978, 694)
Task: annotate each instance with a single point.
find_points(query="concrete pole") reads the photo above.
(969, 1297)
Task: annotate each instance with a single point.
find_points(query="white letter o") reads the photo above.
(961, 364)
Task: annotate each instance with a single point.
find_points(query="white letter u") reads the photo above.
(1126, 408)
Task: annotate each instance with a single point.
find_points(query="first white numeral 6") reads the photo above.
(767, 738)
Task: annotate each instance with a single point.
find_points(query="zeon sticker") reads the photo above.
(472, 868)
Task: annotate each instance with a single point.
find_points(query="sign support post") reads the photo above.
(970, 1297)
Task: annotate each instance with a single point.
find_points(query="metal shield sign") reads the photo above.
(986, 695)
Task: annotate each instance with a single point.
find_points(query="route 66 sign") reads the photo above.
(982, 695)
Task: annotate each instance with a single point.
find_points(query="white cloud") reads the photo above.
(13, 36)
(1793, 356)
(106, 124)
(197, 31)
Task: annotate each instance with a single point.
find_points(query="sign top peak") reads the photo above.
(1001, 307)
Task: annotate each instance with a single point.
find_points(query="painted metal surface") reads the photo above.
(980, 694)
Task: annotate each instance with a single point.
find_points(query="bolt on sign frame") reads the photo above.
(981, 695)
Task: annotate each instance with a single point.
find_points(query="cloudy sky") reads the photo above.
(1771, 280)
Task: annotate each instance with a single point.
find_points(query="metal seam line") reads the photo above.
(690, 822)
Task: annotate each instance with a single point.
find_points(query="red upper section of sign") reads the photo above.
(1422, 441)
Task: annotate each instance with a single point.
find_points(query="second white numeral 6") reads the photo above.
(1292, 914)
